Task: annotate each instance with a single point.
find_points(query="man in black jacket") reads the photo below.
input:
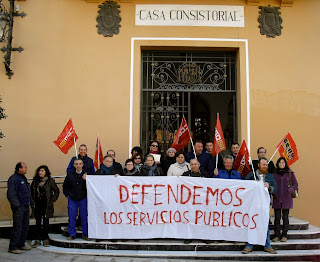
(19, 196)
(75, 189)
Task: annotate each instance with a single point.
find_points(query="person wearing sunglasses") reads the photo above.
(154, 149)
(137, 161)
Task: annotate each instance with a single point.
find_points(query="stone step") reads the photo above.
(176, 244)
(312, 232)
(295, 223)
(283, 255)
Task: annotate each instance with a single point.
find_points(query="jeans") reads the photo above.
(285, 219)
(20, 216)
(73, 207)
(267, 245)
(42, 231)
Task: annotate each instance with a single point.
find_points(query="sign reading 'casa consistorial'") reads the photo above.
(190, 15)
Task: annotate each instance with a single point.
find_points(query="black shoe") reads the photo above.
(187, 241)
(114, 240)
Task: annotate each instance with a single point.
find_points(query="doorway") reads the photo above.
(194, 84)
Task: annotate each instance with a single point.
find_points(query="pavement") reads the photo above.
(37, 255)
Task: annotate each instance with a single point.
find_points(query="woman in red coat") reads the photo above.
(282, 199)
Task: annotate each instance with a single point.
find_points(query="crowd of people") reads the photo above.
(279, 179)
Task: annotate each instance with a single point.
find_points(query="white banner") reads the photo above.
(177, 207)
(190, 15)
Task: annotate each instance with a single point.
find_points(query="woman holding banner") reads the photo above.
(178, 168)
(282, 198)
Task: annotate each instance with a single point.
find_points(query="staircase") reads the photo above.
(303, 245)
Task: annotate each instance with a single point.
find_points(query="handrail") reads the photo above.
(6, 181)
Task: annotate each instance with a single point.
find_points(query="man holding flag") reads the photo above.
(88, 165)
(219, 144)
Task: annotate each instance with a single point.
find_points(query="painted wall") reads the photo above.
(68, 69)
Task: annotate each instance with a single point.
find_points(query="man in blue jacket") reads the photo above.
(227, 172)
(19, 196)
(88, 164)
(262, 175)
(205, 160)
(75, 189)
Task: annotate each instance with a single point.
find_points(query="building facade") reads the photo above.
(166, 60)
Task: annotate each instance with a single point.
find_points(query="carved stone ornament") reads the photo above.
(109, 18)
(270, 21)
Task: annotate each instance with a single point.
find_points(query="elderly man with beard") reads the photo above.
(262, 175)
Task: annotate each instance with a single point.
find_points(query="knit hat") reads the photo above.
(171, 149)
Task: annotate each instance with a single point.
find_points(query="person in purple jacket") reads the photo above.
(282, 199)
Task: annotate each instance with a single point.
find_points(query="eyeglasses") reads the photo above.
(262, 152)
(137, 158)
(155, 145)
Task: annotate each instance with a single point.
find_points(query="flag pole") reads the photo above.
(74, 139)
(98, 152)
(250, 159)
(194, 151)
(216, 145)
(273, 154)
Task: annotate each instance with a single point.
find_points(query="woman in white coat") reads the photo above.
(179, 167)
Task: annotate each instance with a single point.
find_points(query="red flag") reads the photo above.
(182, 137)
(288, 149)
(98, 158)
(241, 164)
(218, 144)
(67, 137)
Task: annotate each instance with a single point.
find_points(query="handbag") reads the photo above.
(295, 194)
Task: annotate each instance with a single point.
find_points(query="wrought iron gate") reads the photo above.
(169, 78)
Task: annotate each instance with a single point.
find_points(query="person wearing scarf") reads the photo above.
(107, 167)
(129, 169)
(151, 168)
(137, 161)
(282, 199)
(178, 168)
(44, 192)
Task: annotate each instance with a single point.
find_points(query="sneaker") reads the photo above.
(25, 248)
(284, 239)
(36, 243)
(276, 239)
(46, 243)
(187, 241)
(71, 237)
(15, 251)
(270, 250)
(246, 250)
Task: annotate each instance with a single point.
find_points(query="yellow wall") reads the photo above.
(68, 69)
